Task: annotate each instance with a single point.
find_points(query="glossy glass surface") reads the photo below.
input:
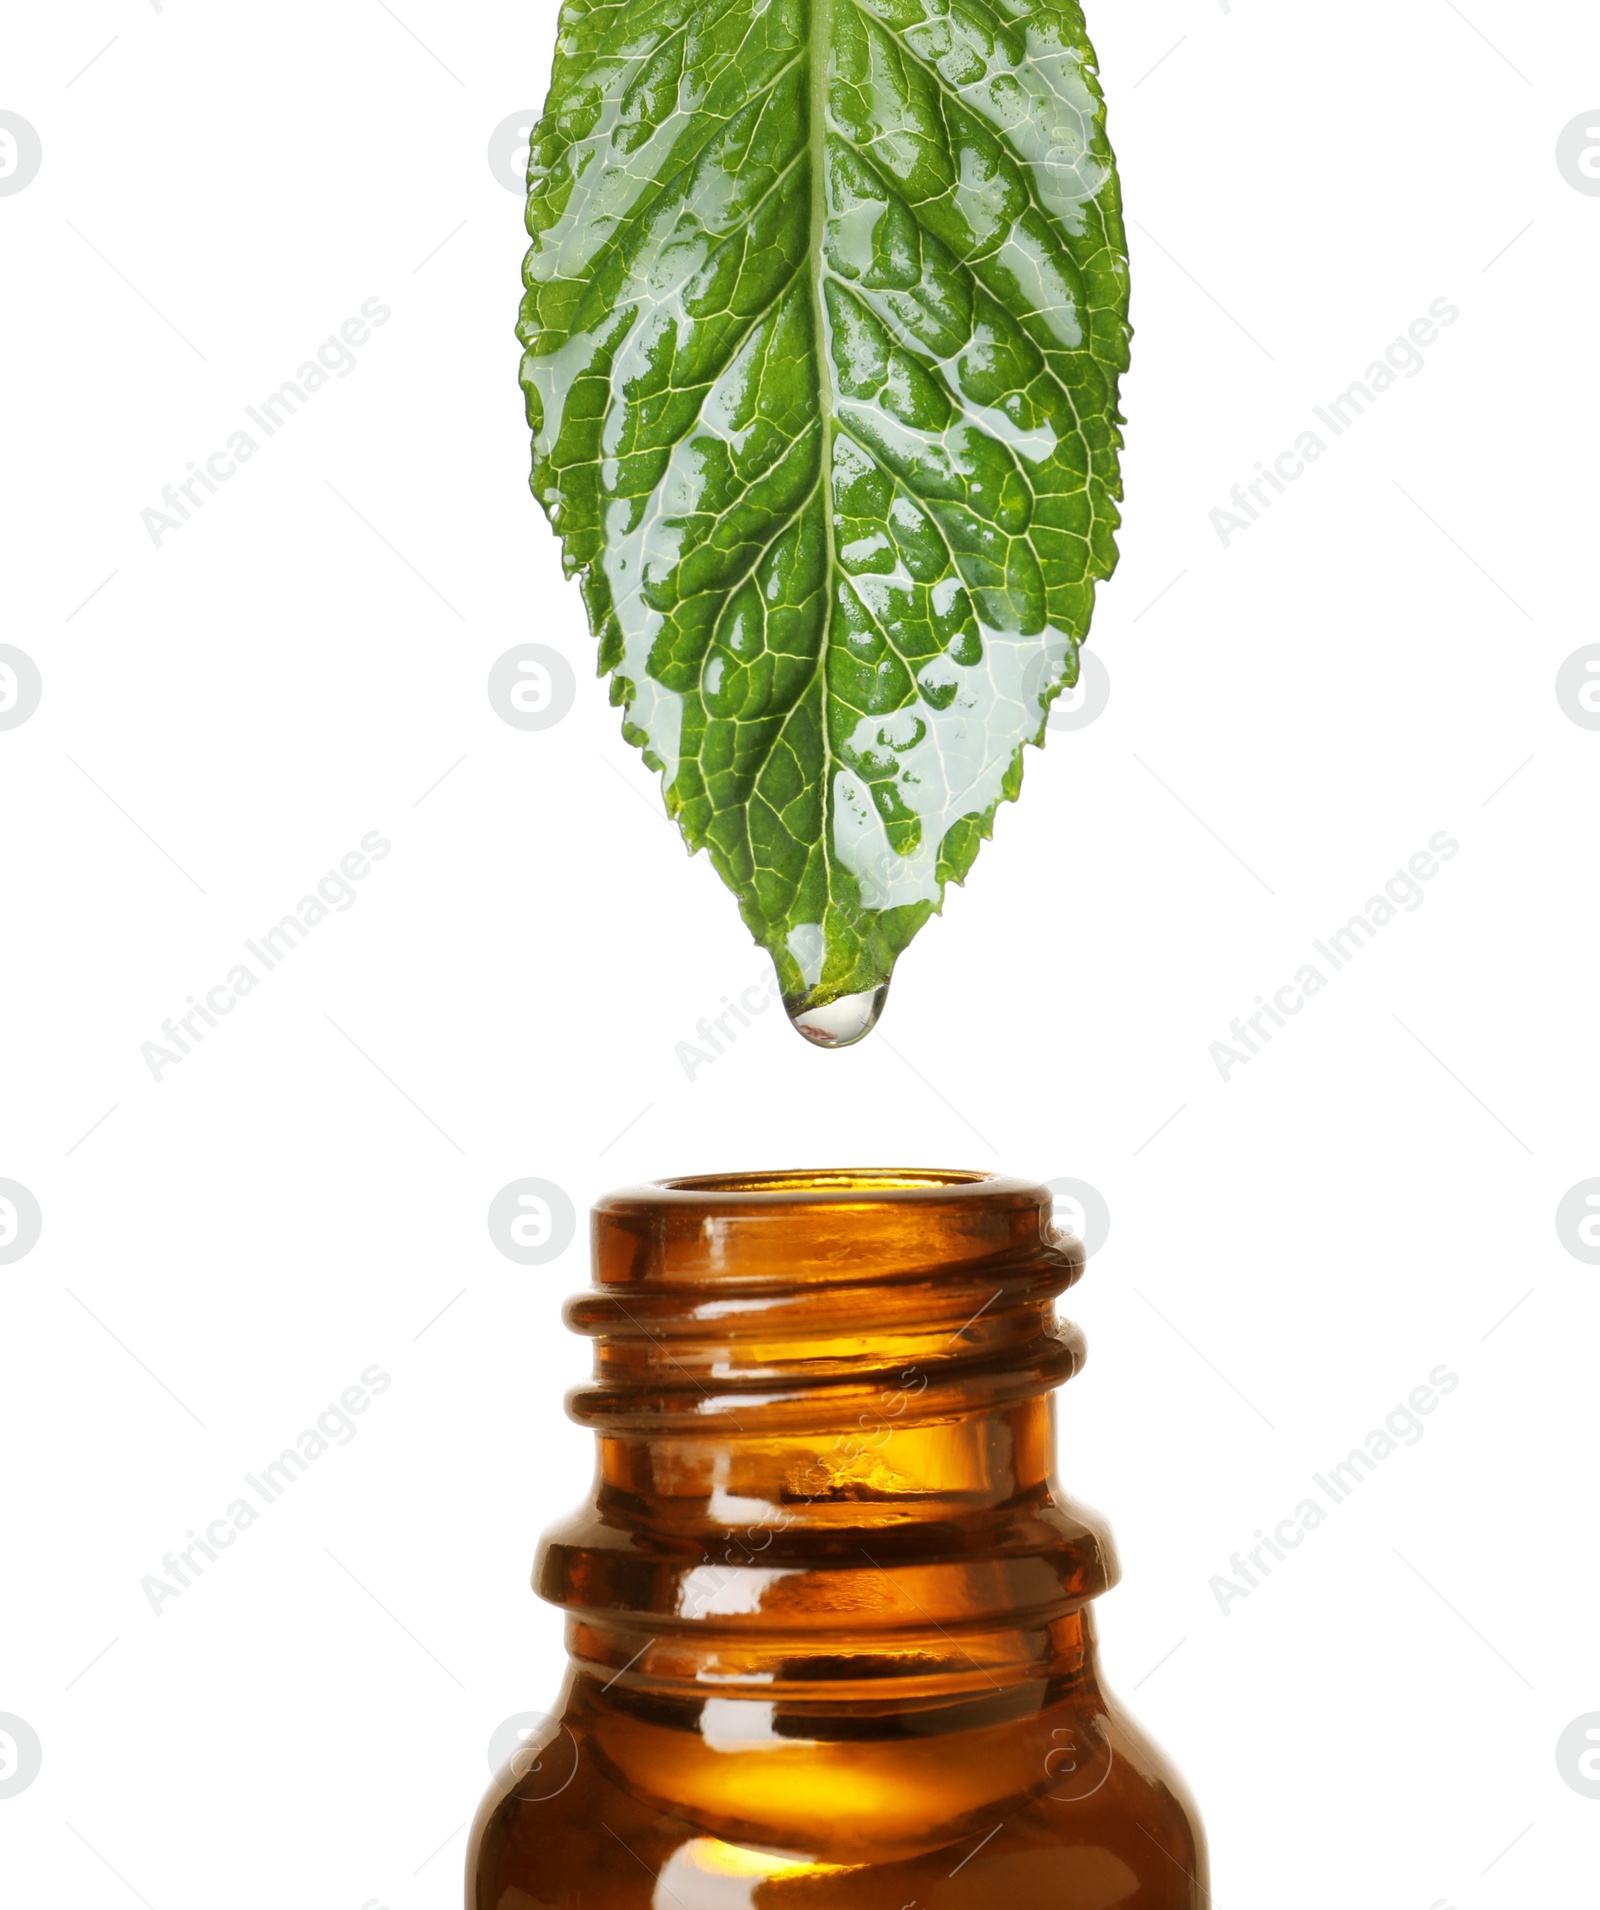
(824, 316)
(828, 1610)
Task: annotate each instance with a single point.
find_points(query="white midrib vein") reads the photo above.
(820, 34)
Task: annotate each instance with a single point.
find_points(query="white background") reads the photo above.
(1292, 716)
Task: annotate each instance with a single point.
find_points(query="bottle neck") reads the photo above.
(826, 1439)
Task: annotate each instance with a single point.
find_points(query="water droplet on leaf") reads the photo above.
(839, 1023)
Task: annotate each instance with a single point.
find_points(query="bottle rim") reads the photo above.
(821, 1186)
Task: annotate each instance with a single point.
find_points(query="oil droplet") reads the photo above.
(839, 1023)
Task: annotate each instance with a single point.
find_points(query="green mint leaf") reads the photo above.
(824, 314)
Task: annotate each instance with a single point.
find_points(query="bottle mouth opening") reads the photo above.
(844, 1181)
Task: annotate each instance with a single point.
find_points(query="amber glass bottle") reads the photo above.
(829, 1618)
